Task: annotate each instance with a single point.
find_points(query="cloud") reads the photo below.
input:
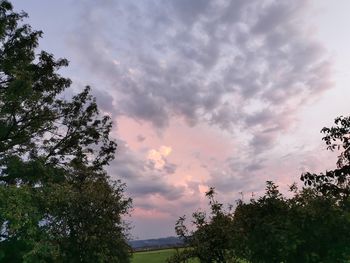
(245, 68)
(170, 168)
(105, 101)
(206, 61)
(142, 179)
(157, 158)
(140, 138)
(237, 174)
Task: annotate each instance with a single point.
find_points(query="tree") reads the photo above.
(211, 240)
(307, 227)
(92, 217)
(260, 226)
(312, 226)
(335, 182)
(320, 227)
(57, 202)
(334, 186)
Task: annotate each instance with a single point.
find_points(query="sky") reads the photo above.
(204, 93)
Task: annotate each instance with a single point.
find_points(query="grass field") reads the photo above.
(156, 256)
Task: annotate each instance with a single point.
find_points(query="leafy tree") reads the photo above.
(311, 226)
(335, 182)
(211, 240)
(307, 227)
(261, 231)
(21, 233)
(334, 186)
(57, 202)
(320, 227)
(91, 217)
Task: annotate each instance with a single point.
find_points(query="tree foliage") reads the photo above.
(335, 182)
(311, 226)
(57, 202)
(211, 240)
(307, 227)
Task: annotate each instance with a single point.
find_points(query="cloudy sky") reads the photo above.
(226, 93)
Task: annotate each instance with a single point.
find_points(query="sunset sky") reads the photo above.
(205, 93)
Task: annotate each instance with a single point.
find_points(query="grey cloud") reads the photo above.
(104, 100)
(140, 138)
(262, 141)
(241, 165)
(141, 179)
(237, 174)
(170, 168)
(273, 15)
(154, 186)
(188, 11)
(254, 166)
(206, 61)
(260, 117)
(145, 106)
(230, 183)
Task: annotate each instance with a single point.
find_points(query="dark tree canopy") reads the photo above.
(211, 241)
(57, 204)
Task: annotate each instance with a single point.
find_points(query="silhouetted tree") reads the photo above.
(312, 226)
(57, 204)
(335, 182)
(211, 240)
(307, 227)
(260, 227)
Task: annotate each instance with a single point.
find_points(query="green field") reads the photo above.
(156, 256)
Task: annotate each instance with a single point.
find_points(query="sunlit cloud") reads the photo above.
(157, 157)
